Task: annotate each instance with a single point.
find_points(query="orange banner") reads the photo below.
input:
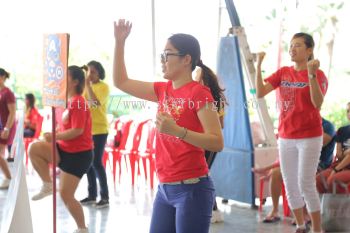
(56, 47)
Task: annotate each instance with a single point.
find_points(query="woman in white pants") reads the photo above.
(301, 91)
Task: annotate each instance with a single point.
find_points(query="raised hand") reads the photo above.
(122, 30)
(260, 57)
(312, 66)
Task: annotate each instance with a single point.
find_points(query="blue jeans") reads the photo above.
(183, 208)
(98, 169)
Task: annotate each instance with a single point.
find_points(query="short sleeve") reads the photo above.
(275, 78)
(339, 135)
(159, 89)
(322, 81)
(202, 96)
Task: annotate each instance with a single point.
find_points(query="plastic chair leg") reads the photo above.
(261, 194)
(151, 171)
(286, 210)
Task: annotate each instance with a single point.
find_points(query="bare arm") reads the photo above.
(221, 119)
(315, 89)
(69, 134)
(339, 152)
(264, 169)
(345, 162)
(261, 88)
(139, 89)
(211, 139)
(65, 135)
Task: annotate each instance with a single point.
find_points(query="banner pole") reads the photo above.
(54, 167)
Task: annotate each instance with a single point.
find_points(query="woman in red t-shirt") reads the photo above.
(74, 149)
(31, 116)
(301, 91)
(7, 119)
(187, 124)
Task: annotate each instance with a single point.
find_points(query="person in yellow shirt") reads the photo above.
(97, 94)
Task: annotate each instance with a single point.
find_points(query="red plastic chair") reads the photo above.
(149, 154)
(116, 151)
(286, 210)
(133, 153)
(109, 148)
(37, 133)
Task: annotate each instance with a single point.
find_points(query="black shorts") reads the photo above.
(76, 164)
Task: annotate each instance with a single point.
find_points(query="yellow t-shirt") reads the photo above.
(99, 112)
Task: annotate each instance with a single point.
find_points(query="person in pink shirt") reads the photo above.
(187, 124)
(7, 119)
(301, 90)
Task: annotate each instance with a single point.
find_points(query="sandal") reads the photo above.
(271, 219)
(307, 222)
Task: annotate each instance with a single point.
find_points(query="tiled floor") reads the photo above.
(130, 211)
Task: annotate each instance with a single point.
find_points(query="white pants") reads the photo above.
(299, 159)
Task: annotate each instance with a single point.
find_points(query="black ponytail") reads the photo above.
(209, 79)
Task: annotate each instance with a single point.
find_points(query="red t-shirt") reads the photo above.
(33, 116)
(176, 159)
(298, 117)
(77, 116)
(6, 97)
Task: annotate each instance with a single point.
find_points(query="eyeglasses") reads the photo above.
(164, 56)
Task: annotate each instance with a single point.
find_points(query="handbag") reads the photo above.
(335, 210)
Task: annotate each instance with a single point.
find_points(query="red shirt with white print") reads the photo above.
(77, 116)
(298, 117)
(176, 159)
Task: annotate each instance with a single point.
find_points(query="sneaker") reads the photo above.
(45, 190)
(5, 184)
(103, 203)
(81, 230)
(216, 217)
(88, 201)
